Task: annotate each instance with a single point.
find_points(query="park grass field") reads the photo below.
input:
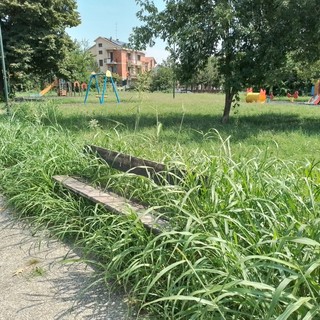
(287, 130)
(244, 240)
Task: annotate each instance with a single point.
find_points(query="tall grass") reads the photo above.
(244, 237)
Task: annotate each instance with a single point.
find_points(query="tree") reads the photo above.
(78, 63)
(161, 78)
(294, 76)
(35, 41)
(208, 77)
(250, 38)
(308, 73)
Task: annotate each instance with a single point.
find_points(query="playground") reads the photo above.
(98, 83)
(63, 88)
(263, 97)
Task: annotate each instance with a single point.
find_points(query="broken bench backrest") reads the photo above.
(158, 172)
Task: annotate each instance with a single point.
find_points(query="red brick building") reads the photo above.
(113, 55)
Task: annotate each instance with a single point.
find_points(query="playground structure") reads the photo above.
(64, 88)
(101, 93)
(47, 89)
(315, 99)
(256, 96)
(294, 96)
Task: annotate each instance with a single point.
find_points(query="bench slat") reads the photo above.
(112, 202)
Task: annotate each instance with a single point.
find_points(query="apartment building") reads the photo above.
(113, 55)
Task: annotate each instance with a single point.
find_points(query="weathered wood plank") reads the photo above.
(158, 172)
(113, 202)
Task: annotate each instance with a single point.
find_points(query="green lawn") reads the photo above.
(287, 130)
(244, 229)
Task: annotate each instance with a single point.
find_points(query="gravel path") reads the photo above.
(36, 284)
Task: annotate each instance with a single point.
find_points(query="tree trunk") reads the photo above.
(227, 105)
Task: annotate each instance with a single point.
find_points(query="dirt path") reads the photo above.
(36, 284)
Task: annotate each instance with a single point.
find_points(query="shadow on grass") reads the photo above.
(240, 127)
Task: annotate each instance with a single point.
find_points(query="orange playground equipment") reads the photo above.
(294, 96)
(65, 88)
(48, 88)
(256, 96)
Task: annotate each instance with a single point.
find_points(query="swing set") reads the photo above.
(101, 93)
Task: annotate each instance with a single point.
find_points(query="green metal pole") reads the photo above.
(6, 95)
(174, 79)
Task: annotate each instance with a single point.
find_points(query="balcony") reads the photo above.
(133, 62)
(111, 61)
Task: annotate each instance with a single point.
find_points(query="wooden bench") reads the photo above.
(112, 201)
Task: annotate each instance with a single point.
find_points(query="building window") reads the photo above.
(100, 52)
(139, 57)
(101, 63)
(113, 69)
(100, 45)
(129, 56)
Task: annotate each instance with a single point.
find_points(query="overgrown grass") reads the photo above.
(287, 130)
(244, 238)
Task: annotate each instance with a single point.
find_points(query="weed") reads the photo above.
(37, 272)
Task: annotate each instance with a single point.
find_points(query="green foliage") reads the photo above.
(208, 77)
(250, 39)
(116, 78)
(164, 75)
(78, 63)
(35, 41)
(293, 76)
(161, 79)
(142, 84)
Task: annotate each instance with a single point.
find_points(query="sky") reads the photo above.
(112, 18)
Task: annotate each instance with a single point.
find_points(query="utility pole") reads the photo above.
(4, 73)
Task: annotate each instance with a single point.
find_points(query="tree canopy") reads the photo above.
(250, 38)
(78, 63)
(34, 37)
(162, 78)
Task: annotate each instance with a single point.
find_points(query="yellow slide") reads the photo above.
(47, 89)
